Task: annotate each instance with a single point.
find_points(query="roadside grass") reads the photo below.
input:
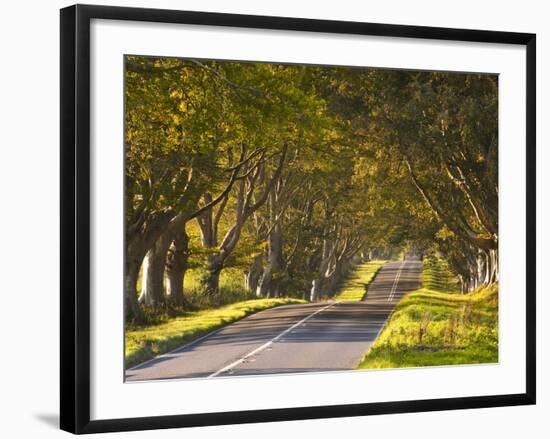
(355, 287)
(145, 342)
(437, 276)
(231, 289)
(436, 326)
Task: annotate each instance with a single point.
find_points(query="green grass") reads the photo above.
(144, 343)
(437, 326)
(437, 276)
(231, 289)
(356, 285)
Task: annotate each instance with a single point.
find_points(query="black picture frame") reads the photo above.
(75, 217)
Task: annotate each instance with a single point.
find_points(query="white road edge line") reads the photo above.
(267, 344)
(197, 340)
(180, 348)
(395, 282)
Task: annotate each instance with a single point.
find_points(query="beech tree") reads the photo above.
(292, 174)
(444, 127)
(177, 146)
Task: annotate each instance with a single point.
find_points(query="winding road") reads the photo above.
(315, 337)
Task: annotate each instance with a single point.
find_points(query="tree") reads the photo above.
(444, 128)
(178, 145)
(290, 172)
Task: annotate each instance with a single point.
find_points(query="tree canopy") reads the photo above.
(293, 173)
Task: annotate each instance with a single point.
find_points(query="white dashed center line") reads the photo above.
(395, 282)
(268, 344)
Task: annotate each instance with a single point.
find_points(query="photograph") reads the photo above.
(288, 218)
(267, 219)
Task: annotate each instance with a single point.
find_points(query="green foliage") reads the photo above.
(145, 342)
(430, 327)
(349, 160)
(356, 286)
(436, 134)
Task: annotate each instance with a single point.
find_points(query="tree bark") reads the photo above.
(138, 243)
(176, 267)
(252, 276)
(318, 285)
(152, 284)
(131, 305)
(270, 285)
(211, 279)
(493, 272)
(316, 288)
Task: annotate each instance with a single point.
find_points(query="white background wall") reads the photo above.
(29, 187)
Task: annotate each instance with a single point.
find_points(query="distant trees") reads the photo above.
(444, 128)
(290, 172)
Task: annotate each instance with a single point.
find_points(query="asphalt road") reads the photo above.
(291, 339)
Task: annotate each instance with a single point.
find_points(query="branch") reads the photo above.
(221, 196)
(443, 218)
(261, 200)
(461, 183)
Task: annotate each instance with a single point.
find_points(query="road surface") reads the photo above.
(291, 339)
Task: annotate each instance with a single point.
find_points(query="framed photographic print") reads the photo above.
(267, 218)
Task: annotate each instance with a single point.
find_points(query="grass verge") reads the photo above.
(355, 287)
(144, 343)
(437, 276)
(433, 328)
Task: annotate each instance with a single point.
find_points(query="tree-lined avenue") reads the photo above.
(325, 336)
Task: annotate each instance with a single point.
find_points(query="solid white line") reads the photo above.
(181, 348)
(395, 282)
(197, 340)
(269, 343)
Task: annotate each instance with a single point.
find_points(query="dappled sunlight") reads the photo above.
(144, 343)
(355, 287)
(249, 186)
(430, 327)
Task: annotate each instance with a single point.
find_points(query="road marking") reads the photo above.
(267, 344)
(180, 348)
(197, 340)
(395, 282)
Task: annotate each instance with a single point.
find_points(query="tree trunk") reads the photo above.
(252, 276)
(268, 285)
(176, 267)
(493, 272)
(316, 288)
(318, 285)
(336, 277)
(245, 205)
(482, 268)
(138, 242)
(152, 283)
(132, 310)
(211, 278)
